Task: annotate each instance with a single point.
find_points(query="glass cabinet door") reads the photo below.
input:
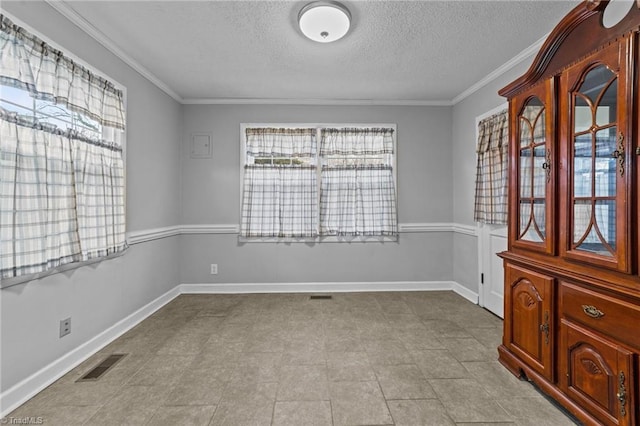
(532, 206)
(598, 229)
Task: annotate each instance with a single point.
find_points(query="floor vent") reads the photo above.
(321, 297)
(99, 370)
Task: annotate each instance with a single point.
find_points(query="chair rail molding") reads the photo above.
(145, 235)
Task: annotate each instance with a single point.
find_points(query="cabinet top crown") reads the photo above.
(580, 33)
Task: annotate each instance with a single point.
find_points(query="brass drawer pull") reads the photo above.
(544, 328)
(622, 394)
(592, 311)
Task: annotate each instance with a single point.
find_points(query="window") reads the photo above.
(310, 182)
(61, 158)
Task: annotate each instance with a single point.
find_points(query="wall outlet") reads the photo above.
(214, 269)
(65, 327)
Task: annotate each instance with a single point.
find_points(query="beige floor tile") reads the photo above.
(259, 342)
(349, 367)
(358, 403)
(184, 344)
(419, 339)
(445, 328)
(308, 413)
(161, 370)
(303, 383)
(468, 349)
(439, 364)
(203, 385)
(52, 416)
(343, 342)
(249, 359)
(403, 382)
(498, 381)
(467, 401)
(230, 414)
(420, 412)
(258, 367)
(237, 392)
(308, 357)
(133, 405)
(489, 424)
(534, 408)
(194, 416)
(79, 394)
(491, 338)
(387, 352)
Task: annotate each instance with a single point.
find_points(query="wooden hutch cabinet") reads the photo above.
(572, 267)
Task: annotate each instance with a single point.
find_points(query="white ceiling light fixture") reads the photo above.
(324, 21)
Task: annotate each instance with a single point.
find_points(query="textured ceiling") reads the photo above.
(395, 51)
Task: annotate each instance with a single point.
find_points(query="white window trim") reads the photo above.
(8, 282)
(318, 127)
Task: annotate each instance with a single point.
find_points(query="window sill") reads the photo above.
(9, 282)
(327, 239)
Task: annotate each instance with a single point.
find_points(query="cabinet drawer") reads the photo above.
(611, 316)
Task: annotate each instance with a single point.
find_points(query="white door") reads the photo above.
(492, 239)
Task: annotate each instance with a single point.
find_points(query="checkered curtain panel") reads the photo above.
(280, 199)
(61, 191)
(491, 170)
(61, 197)
(46, 73)
(357, 198)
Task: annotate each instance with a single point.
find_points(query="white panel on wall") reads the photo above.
(201, 146)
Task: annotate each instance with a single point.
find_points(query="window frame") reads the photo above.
(8, 282)
(319, 163)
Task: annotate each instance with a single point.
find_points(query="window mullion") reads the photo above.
(319, 164)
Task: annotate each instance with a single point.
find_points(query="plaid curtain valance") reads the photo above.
(268, 142)
(491, 170)
(29, 63)
(356, 141)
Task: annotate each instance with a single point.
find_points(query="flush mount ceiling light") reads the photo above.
(324, 21)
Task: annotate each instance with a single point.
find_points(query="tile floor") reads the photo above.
(418, 358)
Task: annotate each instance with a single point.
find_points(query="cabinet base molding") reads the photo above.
(524, 372)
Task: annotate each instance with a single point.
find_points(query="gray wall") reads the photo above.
(465, 247)
(211, 195)
(99, 295)
(436, 171)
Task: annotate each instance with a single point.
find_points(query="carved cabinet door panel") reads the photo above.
(598, 374)
(528, 327)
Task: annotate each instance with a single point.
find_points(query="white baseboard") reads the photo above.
(329, 287)
(21, 392)
(318, 287)
(463, 291)
(18, 394)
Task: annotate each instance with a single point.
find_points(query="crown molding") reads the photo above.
(526, 53)
(327, 102)
(72, 15)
